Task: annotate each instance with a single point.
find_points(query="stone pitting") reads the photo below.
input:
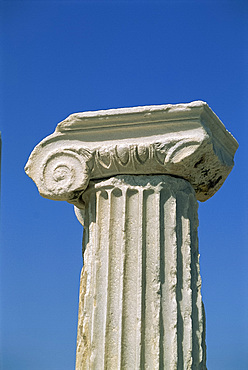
(134, 176)
(185, 140)
(140, 302)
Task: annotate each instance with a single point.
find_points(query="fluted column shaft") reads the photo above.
(140, 301)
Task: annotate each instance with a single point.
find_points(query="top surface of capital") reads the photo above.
(184, 140)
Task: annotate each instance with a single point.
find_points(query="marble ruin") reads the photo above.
(134, 176)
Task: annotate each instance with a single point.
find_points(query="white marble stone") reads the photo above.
(135, 175)
(185, 140)
(140, 296)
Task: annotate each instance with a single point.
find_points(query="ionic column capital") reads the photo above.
(184, 140)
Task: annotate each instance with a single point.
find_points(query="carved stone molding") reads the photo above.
(183, 140)
(134, 175)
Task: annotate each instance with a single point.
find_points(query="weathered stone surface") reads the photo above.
(185, 140)
(140, 301)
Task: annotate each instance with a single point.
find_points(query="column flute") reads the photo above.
(134, 176)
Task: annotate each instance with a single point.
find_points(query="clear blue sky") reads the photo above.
(61, 57)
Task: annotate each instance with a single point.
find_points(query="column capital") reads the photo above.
(184, 140)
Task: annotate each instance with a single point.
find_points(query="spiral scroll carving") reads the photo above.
(185, 140)
(65, 172)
